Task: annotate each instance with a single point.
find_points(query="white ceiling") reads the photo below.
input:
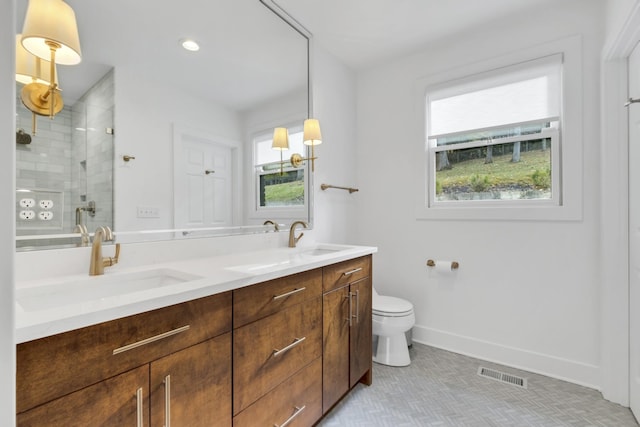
(248, 55)
(241, 37)
(365, 32)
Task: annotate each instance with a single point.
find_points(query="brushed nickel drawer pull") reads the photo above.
(295, 414)
(286, 294)
(139, 407)
(167, 401)
(150, 340)
(295, 342)
(349, 273)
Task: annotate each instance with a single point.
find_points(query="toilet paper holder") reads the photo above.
(454, 264)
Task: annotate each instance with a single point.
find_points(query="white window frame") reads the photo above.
(568, 171)
(276, 212)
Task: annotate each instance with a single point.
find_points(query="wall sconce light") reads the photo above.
(281, 143)
(312, 137)
(31, 69)
(50, 33)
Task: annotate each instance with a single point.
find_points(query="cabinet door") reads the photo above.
(193, 386)
(335, 351)
(360, 339)
(118, 401)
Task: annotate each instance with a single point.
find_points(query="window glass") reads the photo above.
(496, 136)
(278, 183)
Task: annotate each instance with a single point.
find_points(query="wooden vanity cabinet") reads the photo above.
(346, 353)
(282, 352)
(94, 373)
(117, 401)
(277, 351)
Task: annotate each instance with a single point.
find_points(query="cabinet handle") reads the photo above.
(295, 291)
(295, 342)
(350, 318)
(350, 272)
(167, 401)
(150, 340)
(139, 407)
(295, 414)
(357, 306)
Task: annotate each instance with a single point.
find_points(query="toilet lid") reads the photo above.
(385, 304)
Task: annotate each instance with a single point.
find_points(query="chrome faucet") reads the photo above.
(292, 233)
(275, 224)
(98, 263)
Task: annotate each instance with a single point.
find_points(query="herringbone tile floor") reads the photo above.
(443, 389)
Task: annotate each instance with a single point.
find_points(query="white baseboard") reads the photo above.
(563, 369)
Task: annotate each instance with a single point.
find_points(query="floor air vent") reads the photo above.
(502, 377)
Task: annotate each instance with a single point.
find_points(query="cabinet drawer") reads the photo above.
(342, 273)
(267, 352)
(53, 366)
(258, 301)
(299, 398)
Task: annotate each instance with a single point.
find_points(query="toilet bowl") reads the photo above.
(392, 318)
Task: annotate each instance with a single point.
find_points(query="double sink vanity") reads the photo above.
(272, 337)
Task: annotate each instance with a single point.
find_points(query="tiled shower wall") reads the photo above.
(92, 153)
(44, 164)
(71, 154)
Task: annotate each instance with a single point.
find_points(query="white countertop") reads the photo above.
(203, 277)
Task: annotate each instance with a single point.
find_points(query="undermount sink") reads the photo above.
(323, 249)
(97, 288)
(286, 257)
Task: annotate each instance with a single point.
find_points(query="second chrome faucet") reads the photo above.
(292, 233)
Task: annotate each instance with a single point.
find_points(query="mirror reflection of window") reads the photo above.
(278, 184)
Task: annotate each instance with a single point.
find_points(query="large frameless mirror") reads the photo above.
(157, 141)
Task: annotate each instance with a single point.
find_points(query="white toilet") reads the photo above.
(392, 317)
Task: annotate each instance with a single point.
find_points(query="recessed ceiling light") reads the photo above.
(190, 45)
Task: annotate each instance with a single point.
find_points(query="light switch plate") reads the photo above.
(148, 212)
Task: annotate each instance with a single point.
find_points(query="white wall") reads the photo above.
(144, 119)
(616, 14)
(334, 102)
(527, 292)
(7, 219)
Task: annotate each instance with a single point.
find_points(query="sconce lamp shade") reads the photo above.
(280, 139)
(311, 133)
(52, 21)
(30, 68)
